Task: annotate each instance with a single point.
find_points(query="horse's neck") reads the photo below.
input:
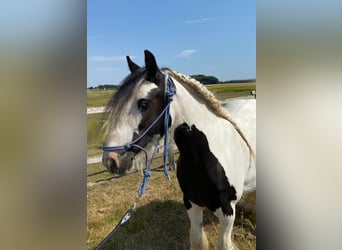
(189, 108)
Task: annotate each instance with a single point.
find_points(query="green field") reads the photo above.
(160, 221)
(231, 90)
(96, 98)
(95, 135)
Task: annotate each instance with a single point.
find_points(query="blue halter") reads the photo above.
(170, 92)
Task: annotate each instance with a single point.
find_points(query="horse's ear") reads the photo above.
(151, 65)
(131, 65)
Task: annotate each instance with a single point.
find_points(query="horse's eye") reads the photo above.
(143, 104)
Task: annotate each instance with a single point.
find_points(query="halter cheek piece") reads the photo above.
(170, 92)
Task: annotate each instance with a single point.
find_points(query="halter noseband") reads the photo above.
(170, 92)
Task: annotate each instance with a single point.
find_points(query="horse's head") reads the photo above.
(133, 108)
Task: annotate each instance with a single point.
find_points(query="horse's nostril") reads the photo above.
(112, 167)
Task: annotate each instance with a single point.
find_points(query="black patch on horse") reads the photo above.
(199, 173)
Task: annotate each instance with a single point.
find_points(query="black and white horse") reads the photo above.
(217, 145)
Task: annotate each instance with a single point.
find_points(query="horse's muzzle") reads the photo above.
(117, 164)
(111, 161)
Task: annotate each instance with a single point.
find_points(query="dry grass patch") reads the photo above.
(160, 221)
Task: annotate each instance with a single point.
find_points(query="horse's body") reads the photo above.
(229, 141)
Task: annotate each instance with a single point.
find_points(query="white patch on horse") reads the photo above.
(121, 132)
(226, 224)
(198, 238)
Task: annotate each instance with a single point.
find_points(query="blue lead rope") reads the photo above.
(170, 92)
(147, 171)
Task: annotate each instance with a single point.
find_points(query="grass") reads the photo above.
(226, 91)
(97, 98)
(95, 135)
(160, 221)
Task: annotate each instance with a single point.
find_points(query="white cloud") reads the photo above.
(203, 20)
(107, 58)
(186, 53)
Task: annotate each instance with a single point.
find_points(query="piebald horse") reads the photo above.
(217, 145)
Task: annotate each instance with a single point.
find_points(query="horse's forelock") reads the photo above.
(123, 94)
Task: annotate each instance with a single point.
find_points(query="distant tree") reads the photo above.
(204, 79)
(241, 81)
(106, 86)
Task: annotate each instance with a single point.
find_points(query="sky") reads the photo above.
(215, 38)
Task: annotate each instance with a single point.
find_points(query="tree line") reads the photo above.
(204, 79)
(104, 86)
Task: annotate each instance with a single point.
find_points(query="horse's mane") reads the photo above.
(210, 100)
